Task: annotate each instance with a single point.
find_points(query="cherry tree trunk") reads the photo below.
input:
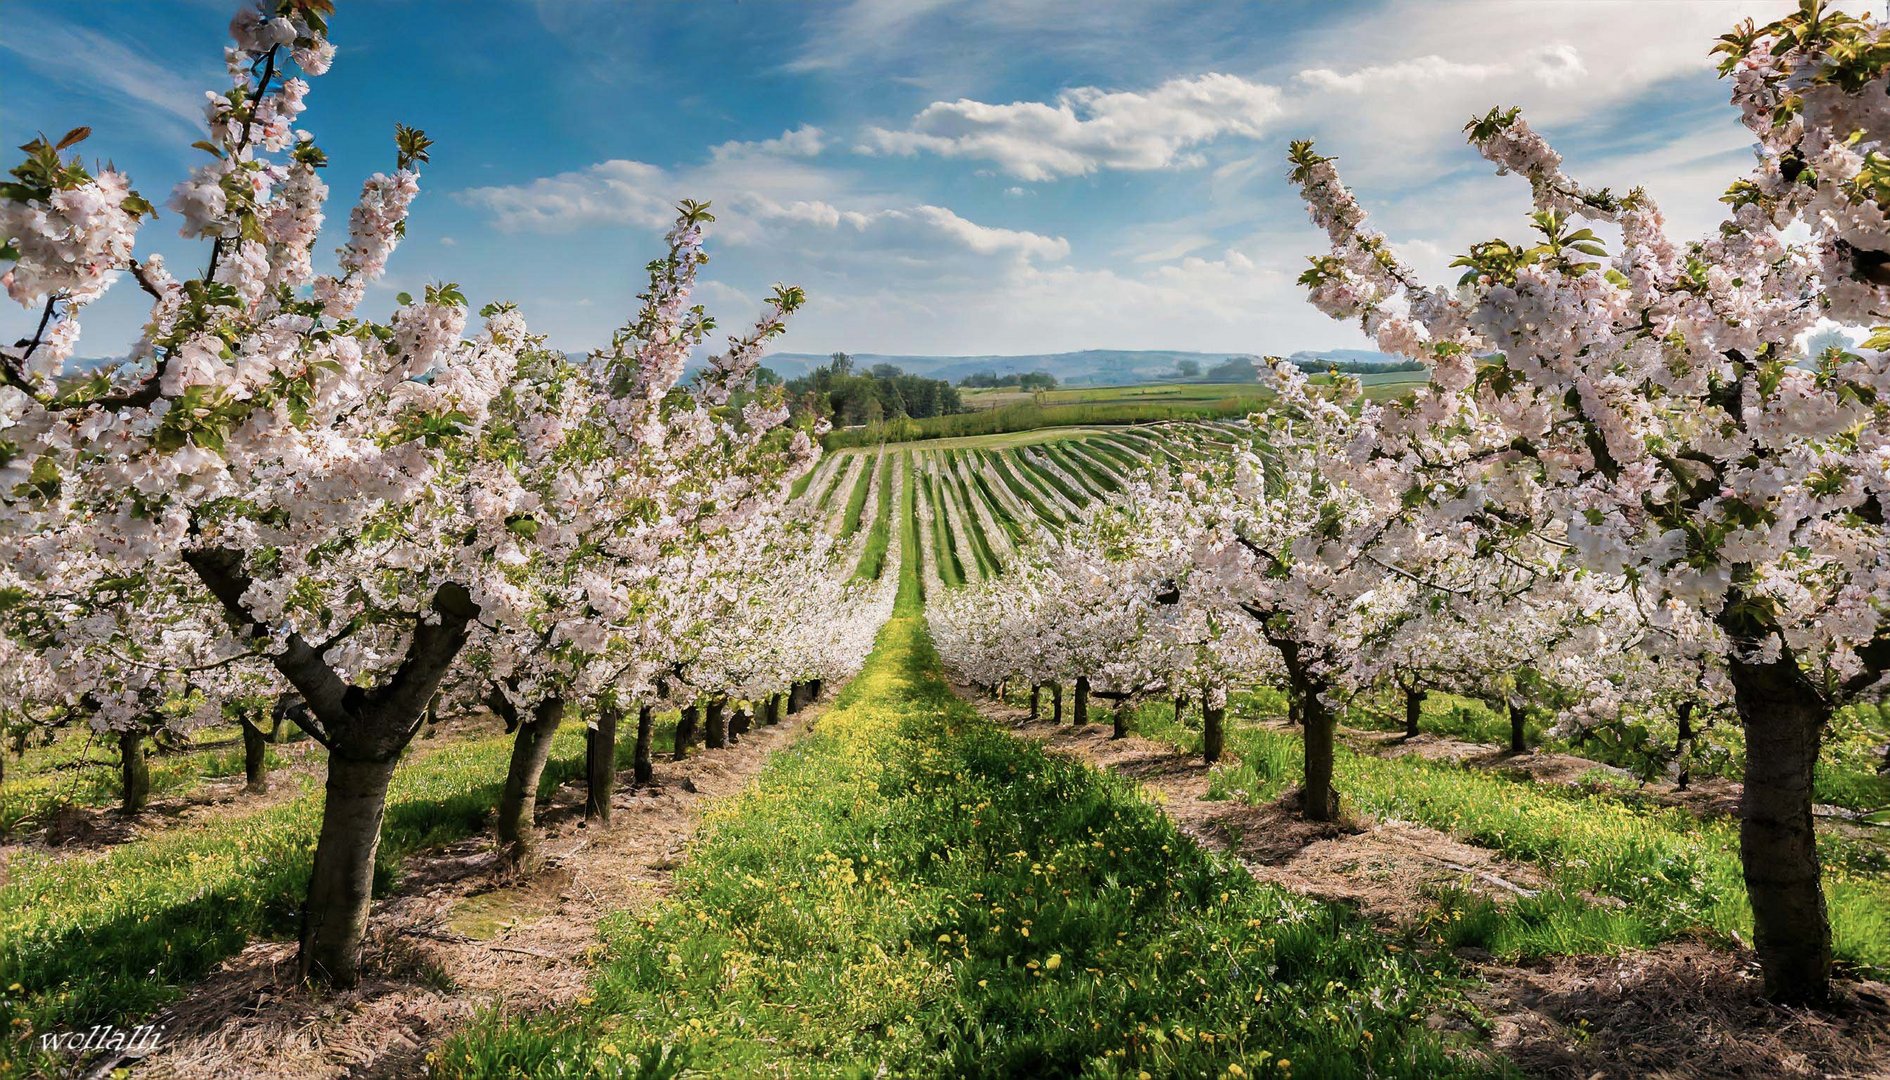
(739, 724)
(1518, 736)
(1413, 710)
(1213, 733)
(715, 730)
(771, 710)
(255, 759)
(1056, 702)
(813, 690)
(600, 764)
(1080, 713)
(1122, 720)
(1784, 720)
(641, 768)
(518, 800)
(1036, 700)
(1181, 704)
(1683, 743)
(134, 772)
(341, 882)
(796, 698)
(686, 730)
(1318, 801)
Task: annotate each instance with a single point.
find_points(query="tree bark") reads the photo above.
(600, 763)
(1056, 702)
(1318, 802)
(641, 768)
(715, 728)
(1683, 743)
(686, 730)
(1213, 732)
(1036, 700)
(739, 724)
(255, 758)
(1079, 715)
(1181, 705)
(1518, 736)
(134, 773)
(813, 690)
(796, 698)
(1413, 710)
(342, 880)
(1122, 720)
(771, 710)
(1784, 720)
(518, 800)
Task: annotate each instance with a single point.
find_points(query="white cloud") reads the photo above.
(804, 141)
(78, 58)
(1552, 65)
(616, 192)
(1087, 129)
(761, 198)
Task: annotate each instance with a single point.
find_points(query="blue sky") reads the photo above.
(989, 176)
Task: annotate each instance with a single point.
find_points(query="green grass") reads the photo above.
(1084, 468)
(950, 570)
(1847, 768)
(80, 769)
(913, 892)
(1043, 473)
(974, 465)
(856, 501)
(107, 939)
(879, 537)
(1675, 874)
(1001, 463)
(841, 468)
(988, 564)
(910, 554)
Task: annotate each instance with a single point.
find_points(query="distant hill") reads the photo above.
(1090, 367)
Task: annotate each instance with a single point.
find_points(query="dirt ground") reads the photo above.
(456, 937)
(1683, 1010)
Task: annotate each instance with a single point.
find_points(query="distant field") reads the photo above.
(1007, 411)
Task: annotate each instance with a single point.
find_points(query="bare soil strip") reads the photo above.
(1685, 1009)
(457, 936)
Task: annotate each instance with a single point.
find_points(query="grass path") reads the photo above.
(913, 891)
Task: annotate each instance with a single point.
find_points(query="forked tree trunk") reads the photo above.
(518, 800)
(1080, 713)
(1056, 702)
(255, 759)
(1122, 720)
(1036, 700)
(134, 773)
(716, 726)
(1413, 710)
(686, 730)
(1683, 743)
(1784, 721)
(641, 768)
(1518, 736)
(600, 763)
(341, 882)
(1213, 732)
